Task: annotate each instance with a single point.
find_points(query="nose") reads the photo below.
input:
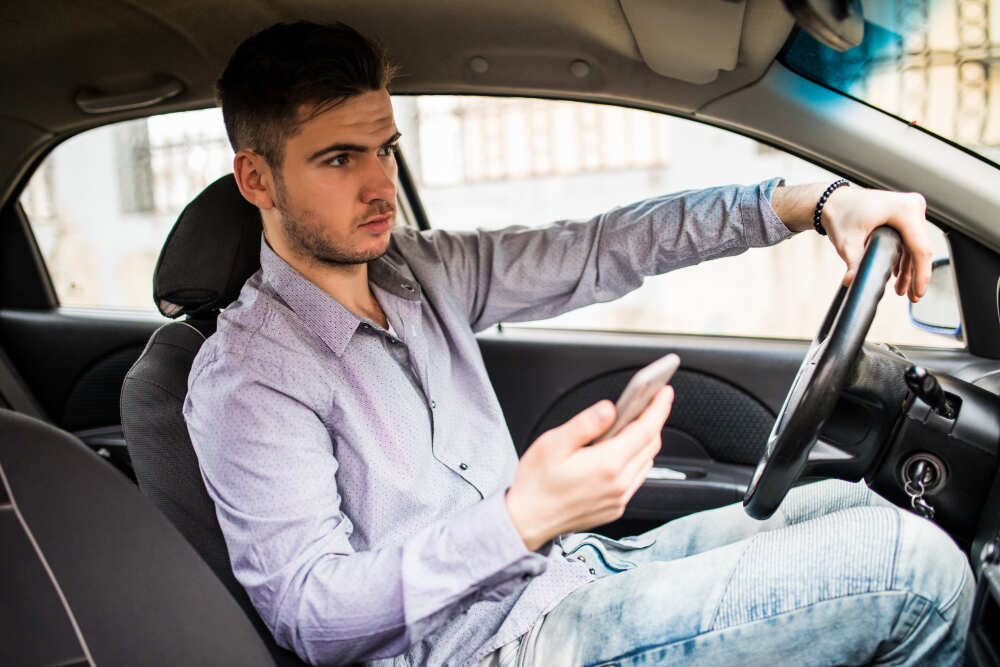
(379, 179)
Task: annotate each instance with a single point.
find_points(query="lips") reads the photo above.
(379, 223)
(385, 217)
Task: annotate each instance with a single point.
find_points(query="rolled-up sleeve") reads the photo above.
(268, 463)
(522, 273)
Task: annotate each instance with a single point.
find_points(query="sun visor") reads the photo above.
(689, 40)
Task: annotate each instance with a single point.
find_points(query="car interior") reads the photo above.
(111, 550)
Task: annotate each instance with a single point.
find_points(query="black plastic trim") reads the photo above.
(410, 190)
(24, 279)
(976, 267)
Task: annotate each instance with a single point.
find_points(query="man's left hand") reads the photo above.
(849, 216)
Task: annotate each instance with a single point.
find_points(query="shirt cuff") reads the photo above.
(495, 551)
(761, 225)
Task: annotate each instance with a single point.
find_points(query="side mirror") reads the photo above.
(839, 24)
(938, 310)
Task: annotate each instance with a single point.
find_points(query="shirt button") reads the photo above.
(581, 559)
(434, 405)
(525, 577)
(463, 466)
(592, 571)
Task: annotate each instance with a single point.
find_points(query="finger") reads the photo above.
(640, 478)
(628, 482)
(634, 465)
(906, 275)
(646, 426)
(912, 289)
(911, 223)
(904, 272)
(581, 429)
(851, 253)
(920, 268)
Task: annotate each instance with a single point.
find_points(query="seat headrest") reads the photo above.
(211, 251)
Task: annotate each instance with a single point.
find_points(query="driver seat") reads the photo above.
(211, 251)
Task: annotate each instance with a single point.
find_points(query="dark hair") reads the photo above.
(273, 73)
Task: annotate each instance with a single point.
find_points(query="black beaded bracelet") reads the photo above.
(822, 200)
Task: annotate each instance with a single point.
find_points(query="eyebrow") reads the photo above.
(350, 148)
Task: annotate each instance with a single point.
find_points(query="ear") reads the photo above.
(254, 178)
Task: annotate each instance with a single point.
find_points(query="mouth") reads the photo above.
(385, 217)
(379, 222)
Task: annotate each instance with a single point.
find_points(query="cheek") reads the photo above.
(332, 194)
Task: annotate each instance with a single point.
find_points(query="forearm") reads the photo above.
(522, 273)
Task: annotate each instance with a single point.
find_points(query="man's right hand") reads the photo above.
(561, 485)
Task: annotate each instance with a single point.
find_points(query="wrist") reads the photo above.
(823, 215)
(794, 205)
(532, 536)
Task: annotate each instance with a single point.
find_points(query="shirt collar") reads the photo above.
(321, 313)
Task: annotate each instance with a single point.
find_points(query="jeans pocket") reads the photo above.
(614, 554)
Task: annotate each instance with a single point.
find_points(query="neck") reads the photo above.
(347, 283)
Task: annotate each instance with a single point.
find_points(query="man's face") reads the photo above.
(336, 190)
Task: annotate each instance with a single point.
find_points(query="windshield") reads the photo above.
(931, 63)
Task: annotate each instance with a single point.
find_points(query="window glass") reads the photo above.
(930, 63)
(101, 203)
(489, 163)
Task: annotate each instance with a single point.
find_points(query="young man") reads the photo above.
(370, 495)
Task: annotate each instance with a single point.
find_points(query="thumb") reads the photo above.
(584, 427)
(852, 255)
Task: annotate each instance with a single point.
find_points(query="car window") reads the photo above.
(102, 203)
(491, 162)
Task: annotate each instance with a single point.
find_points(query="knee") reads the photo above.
(931, 565)
(817, 499)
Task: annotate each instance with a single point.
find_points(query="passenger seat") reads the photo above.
(92, 574)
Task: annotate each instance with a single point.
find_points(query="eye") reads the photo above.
(338, 160)
(388, 149)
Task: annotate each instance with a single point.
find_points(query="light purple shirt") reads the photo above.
(359, 478)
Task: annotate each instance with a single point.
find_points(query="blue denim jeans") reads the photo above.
(838, 576)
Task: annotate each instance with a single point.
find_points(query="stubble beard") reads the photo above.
(304, 233)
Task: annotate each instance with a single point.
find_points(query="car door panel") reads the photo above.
(74, 365)
(74, 362)
(727, 394)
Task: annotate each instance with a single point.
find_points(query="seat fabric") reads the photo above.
(136, 591)
(211, 251)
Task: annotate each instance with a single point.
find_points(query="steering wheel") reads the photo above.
(822, 376)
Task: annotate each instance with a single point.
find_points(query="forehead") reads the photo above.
(360, 119)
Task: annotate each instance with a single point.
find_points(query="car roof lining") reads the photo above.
(105, 44)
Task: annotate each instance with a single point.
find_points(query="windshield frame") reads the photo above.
(801, 69)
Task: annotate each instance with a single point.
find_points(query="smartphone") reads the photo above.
(640, 391)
